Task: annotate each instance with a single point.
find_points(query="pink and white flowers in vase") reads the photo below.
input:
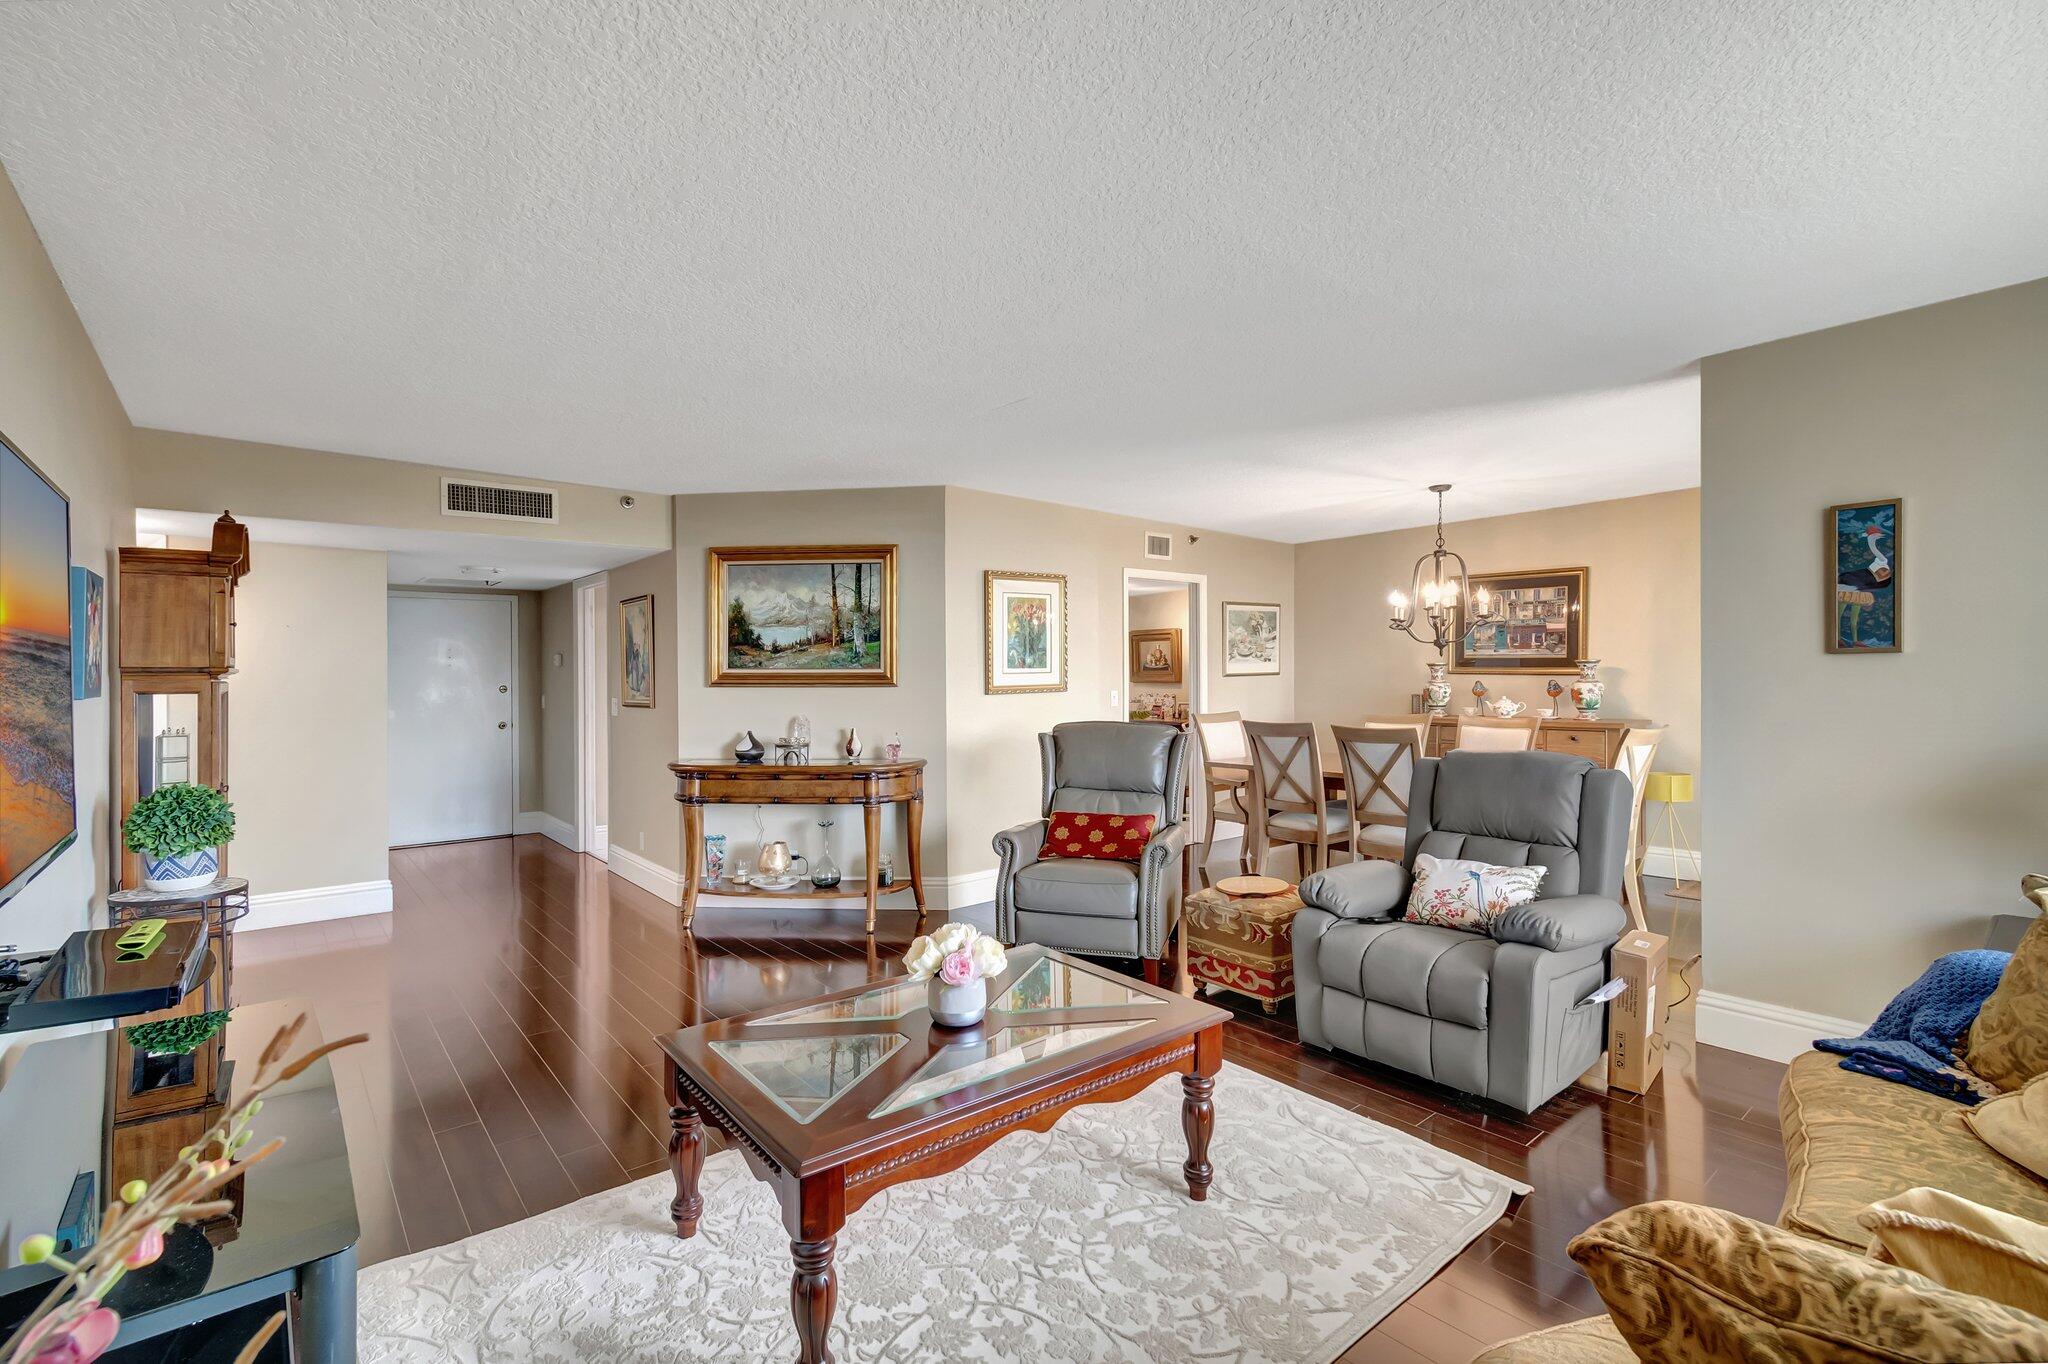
(958, 960)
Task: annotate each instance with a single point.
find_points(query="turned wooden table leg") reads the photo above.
(693, 854)
(871, 829)
(685, 1158)
(813, 1292)
(1198, 1120)
(915, 821)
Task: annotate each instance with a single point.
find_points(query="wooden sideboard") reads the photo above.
(868, 785)
(1599, 741)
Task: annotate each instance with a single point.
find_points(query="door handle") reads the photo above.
(502, 689)
(501, 724)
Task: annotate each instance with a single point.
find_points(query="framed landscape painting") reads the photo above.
(1863, 565)
(1156, 658)
(1542, 624)
(1251, 638)
(802, 615)
(1024, 632)
(636, 651)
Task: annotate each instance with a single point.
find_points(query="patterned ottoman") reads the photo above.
(1243, 943)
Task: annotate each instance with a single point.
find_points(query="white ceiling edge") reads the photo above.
(418, 557)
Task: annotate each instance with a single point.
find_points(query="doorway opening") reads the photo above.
(1165, 647)
(453, 680)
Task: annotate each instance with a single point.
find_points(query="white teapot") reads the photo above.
(1507, 708)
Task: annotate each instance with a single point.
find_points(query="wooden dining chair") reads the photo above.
(1379, 767)
(1287, 803)
(1638, 749)
(1226, 793)
(1491, 734)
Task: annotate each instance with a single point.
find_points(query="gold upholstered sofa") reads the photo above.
(1850, 1141)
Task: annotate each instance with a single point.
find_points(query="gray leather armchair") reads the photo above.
(1101, 908)
(1498, 1015)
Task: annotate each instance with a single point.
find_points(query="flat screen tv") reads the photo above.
(38, 791)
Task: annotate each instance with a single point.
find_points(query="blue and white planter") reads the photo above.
(185, 871)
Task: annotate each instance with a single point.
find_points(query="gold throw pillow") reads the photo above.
(1687, 1285)
(1963, 1245)
(2016, 1125)
(2008, 1044)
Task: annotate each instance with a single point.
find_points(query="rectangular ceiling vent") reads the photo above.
(496, 501)
(1158, 545)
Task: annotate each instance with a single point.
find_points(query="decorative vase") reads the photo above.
(748, 752)
(852, 746)
(1436, 697)
(958, 1006)
(181, 871)
(1588, 689)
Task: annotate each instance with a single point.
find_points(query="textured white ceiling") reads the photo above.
(1259, 266)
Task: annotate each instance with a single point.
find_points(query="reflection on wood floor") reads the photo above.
(514, 994)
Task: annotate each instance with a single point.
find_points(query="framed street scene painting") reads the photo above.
(802, 615)
(1862, 586)
(1024, 632)
(1251, 638)
(1540, 625)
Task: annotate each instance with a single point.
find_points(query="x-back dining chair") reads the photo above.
(1226, 793)
(1287, 801)
(1491, 734)
(1378, 758)
(1637, 751)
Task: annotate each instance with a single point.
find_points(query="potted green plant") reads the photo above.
(178, 830)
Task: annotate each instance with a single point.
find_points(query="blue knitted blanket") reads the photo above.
(1918, 1039)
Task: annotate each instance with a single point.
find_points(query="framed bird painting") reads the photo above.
(1863, 568)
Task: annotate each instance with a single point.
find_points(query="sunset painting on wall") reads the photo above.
(37, 798)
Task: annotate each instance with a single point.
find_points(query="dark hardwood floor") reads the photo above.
(514, 994)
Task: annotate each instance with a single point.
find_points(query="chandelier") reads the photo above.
(1439, 590)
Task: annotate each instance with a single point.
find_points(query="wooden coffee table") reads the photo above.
(837, 1098)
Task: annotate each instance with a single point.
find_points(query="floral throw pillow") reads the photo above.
(1114, 838)
(1454, 893)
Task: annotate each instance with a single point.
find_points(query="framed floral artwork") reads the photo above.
(1024, 632)
(1251, 638)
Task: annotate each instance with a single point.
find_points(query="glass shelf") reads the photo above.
(1057, 984)
(969, 1063)
(803, 1075)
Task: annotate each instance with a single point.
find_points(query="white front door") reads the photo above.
(451, 718)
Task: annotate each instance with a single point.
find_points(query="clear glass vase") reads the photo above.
(824, 871)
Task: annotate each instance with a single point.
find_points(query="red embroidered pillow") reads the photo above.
(1116, 838)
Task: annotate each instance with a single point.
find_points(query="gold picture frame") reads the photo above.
(1156, 658)
(636, 651)
(800, 615)
(1541, 604)
(1023, 632)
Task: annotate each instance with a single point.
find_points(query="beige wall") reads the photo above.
(180, 472)
(713, 719)
(59, 410)
(642, 804)
(307, 757)
(992, 741)
(1643, 596)
(1161, 611)
(1868, 813)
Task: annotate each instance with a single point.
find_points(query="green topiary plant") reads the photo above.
(176, 1036)
(181, 818)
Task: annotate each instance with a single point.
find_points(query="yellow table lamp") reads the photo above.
(1669, 789)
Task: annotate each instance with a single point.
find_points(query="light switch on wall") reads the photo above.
(615, 705)
(558, 658)
(1112, 696)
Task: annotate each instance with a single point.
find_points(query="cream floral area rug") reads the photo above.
(1076, 1244)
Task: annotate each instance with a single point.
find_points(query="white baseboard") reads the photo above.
(1673, 864)
(316, 904)
(972, 888)
(1772, 1031)
(541, 822)
(651, 877)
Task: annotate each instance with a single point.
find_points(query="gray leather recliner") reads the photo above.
(1102, 908)
(1500, 1014)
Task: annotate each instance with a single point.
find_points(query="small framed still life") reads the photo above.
(88, 633)
(1251, 638)
(1862, 540)
(636, 651)
(1024, 632)
(1156, 658)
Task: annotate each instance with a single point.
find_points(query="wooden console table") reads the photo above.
(868, 785)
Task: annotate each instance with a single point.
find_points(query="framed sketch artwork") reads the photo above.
(1251, 638)
(1540, 624)
(636, 651)
(1863, 563)
(802, 616)
(1024, 632)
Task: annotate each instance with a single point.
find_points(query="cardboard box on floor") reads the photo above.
(1635, 1021)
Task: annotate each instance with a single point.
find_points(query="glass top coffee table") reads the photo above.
(834, 1099)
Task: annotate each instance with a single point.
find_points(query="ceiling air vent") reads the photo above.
(497, 501)
(1158, 545)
